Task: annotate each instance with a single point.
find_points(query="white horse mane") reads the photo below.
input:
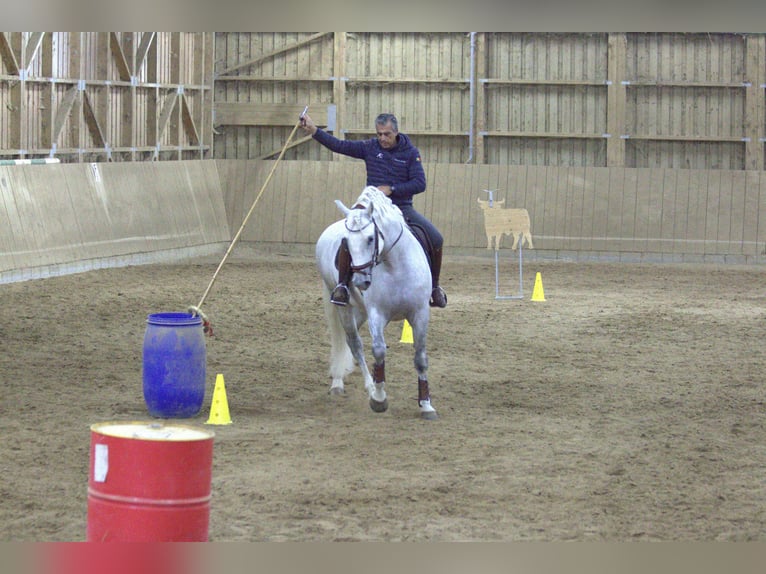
(380, 202)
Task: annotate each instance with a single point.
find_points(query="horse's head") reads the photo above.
(365, 242)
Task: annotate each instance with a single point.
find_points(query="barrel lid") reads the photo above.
(152, 431)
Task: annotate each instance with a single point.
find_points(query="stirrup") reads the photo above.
(438, 297)
(340, 295)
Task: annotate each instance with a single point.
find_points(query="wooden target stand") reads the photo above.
(520, 294)
(497, 232)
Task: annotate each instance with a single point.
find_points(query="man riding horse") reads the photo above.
(393, 166)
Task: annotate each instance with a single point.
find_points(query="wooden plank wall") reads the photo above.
(583, 213)
(64, 218)
(106, 96)
(680, 100)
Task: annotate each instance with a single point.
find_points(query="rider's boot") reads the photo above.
(340, 294)
(438, 296)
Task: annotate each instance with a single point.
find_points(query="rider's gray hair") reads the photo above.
(383, 119)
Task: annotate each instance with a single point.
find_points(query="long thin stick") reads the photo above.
(198, 308)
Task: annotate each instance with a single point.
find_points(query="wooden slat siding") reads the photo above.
(255, 176)
(655, 212)
(635, 212)
(697, 211)
(761, 223)
(446, 207)
(737, 214)
(95, 226)
(211, 203)
(244, 93)
(435, 190)
(712, 206)
(20, 239)
(32, 219)
(311, 198)
(564, 209)
(266, 114)
(588, 190)
(750, 218)
(232, 178)
(755, 103)
(580, 192)
(615, 205)
(681, 179)
(666, 181)
(284, 211)
(723, 242)
(267, 218)
(639, 210)
(315, 175)
(600, 208)
(295, 202)
(583, 181)
(537, 190)
(8, 221)
(74, 234)
(556, 202)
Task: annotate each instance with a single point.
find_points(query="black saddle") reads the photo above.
(422, 237)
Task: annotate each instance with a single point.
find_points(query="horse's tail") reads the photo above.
(341, 359)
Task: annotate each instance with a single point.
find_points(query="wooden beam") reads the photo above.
(33, 44)
(123, 69)
(480, 110)
(64, 109)
(617, 51)
(92, 121)
(273, 53)
(259, 114)
(339, 86)
(188, 121)
(47, 91)
(8, 56)
(167, 109)
(147, 38)
(293, 144)
(755, 104)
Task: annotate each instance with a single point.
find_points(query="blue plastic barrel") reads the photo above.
(174, 365)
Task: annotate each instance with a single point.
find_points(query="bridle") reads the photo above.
(377, 256)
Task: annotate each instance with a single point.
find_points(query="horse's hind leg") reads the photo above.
(341, 358)
(427, 411)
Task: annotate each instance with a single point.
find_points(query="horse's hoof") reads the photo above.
(337, 392)
(429, 415)
(379, 406)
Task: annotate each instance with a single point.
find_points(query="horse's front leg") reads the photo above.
(350, 321)
(377, 389)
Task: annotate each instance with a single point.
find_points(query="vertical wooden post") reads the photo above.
(47, 91)
(174, 124)
(339, 84)
(480, 111)
(76, 116)
(755, 60)
(18, 110)
(206, 100)
(103, 102)
(151, 122)
(615, 107)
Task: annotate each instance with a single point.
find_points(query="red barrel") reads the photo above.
(149, 482)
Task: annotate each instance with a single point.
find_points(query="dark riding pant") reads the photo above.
(414, 217)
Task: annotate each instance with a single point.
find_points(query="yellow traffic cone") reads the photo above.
(538, 294)
(219, 408)
(406, 333)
